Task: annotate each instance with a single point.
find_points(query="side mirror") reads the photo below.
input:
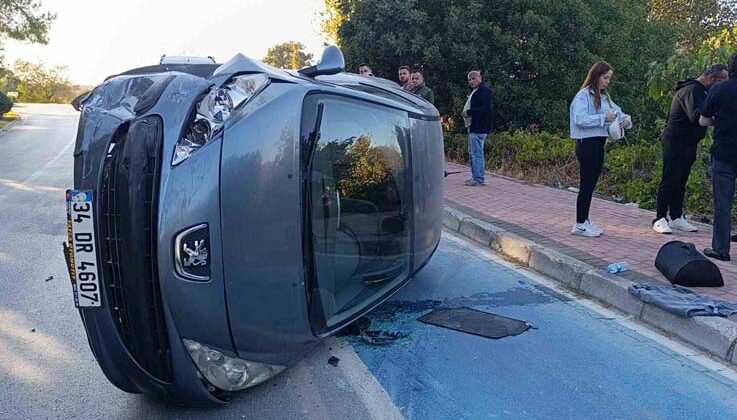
(331, 62)
(77, 102)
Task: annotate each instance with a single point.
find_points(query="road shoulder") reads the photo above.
(717, 336)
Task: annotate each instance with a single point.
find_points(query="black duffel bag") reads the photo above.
(683, 265)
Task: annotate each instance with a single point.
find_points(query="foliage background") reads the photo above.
(535, 54)
(24, 20)
(288, 55)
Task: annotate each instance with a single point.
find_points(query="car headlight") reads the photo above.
(228, 373)
(213, 110)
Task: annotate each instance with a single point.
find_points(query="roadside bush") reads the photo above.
(634, 172)
(5, 104)
(633, 175)
(540, 158)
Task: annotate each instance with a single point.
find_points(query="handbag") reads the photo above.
(614, 129)
(683, 265)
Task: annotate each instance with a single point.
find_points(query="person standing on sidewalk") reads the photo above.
(680, 141)
(720, 110)
(477, 115)
(592, 111)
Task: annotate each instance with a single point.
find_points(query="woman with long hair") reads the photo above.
(592, 112)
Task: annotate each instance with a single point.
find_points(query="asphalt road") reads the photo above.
(580, 361)
(46, 367)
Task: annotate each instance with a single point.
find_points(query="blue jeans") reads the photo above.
(476, 152)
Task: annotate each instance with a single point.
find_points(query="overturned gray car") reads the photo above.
(226, 218)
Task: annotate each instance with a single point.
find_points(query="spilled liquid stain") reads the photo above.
(397, 319)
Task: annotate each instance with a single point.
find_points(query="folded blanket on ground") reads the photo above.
(682, 301)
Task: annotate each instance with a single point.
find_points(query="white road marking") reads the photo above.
(377, 401)
(16, 185)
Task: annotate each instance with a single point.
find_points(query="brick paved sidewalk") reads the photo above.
(545, 216)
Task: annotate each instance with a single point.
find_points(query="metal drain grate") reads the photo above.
(475, 322)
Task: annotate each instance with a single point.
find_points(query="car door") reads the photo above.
(357, 201)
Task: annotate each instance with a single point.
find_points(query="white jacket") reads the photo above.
(586, 120)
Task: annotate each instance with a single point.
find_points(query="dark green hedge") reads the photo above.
(5, 104)
(634, 169)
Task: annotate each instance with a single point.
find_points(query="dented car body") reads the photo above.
(237, 214)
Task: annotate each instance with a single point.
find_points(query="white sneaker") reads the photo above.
(594, 227)
(682, 224)
(584, 229)
(661, 226)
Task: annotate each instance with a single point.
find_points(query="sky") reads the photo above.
(97, 38)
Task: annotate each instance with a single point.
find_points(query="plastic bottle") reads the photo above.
(617, 267)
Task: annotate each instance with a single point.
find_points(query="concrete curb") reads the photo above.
(717, 336)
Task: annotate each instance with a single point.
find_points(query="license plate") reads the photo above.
(82, 249)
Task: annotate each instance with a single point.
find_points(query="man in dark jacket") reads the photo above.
(419, 87)
(478, 119)
(680, 140)
(720, 110)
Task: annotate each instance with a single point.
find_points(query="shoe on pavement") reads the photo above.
(594, 227)
(661, 226)
(734, 238)
(473, 183)
(584, 229)
(682, 224)
(717, 256)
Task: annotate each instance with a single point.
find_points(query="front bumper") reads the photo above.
(137, 335)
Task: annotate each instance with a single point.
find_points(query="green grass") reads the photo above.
(8, 118)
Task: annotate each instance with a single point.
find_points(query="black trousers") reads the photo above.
(590, 154)
(723, 176)
(678, 158)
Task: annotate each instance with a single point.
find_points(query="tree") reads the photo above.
(685, 64)
(695, 20)
(37, 83)
(534, 53)
(23, 20)
(288, 55)
(8, 81)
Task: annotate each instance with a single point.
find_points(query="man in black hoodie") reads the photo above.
(681, 138)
